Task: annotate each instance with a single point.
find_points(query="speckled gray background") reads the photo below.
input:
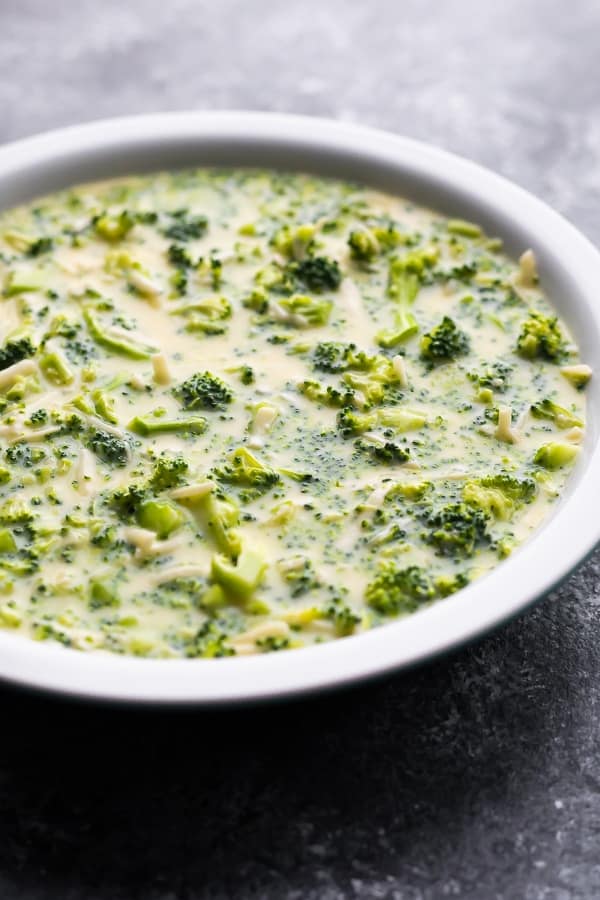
(477, 777)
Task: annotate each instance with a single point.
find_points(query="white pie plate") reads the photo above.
(570, 268)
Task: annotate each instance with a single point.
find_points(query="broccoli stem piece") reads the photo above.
(160, 516)
(56, 368)
(117, 344)
(555, 455)
(239, 580)
(149, 425)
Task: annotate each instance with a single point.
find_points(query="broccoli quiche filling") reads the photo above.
(244, 411)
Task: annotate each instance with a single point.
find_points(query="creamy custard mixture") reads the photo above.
(243, 411)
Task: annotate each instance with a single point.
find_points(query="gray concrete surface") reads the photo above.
(476, 777)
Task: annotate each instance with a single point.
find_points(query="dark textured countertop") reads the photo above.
(475, 777)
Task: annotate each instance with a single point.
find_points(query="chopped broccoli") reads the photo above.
(343, 616)
(363, 245)
(456, 529)
(203, 391)
(444, 342)
(39, 246)
(496, 377)
(499, 495)
(109, 448)
(333, 356)
(244, 470)
(578, 375)
(317, 273)
(305, 311)
(352, 423)
(186, 228)
(541, 337)
(169, 471)
(389, 452)
(239, 580)
(327, 396)
(125, 502)
(179, 257)
(395, 590)
(405, 277)
(219, 516)
(555, 455)
(149, 425)
(159, 516)
(113, 228)
(463, 228)
(117, 344)
(15, 350)
(450, 584)
(562, 418)
(295, 243)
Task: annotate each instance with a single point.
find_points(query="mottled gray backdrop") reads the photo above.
(477, 777)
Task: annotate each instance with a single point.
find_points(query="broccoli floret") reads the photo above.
(332, 356)
(113, 228)
(295, 243)
(169, 471)
(499, 495)
(352, 423)
(179, 257)
(42, 245)
(450, 584)
(203, 391)
(395, 590)
(541, 336)
(186, 228)
(329, 396)
(496, 377)
(363, 245)
(244, 470)
(317, 273)
(389, 452)
(305, 312)
(15, 350)
(125, 502)
(343, 616)
(444, 342)
(109, 448)
(456, 529)
(562, 418)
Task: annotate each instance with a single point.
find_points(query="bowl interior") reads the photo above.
(570, 272)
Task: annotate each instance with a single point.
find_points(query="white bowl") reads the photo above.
(570, 269)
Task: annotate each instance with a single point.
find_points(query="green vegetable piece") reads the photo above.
(56, 368)
(395, 590)
(305, 311)
(113, 228)
(577, 375)
(213, 598)
(149, 425)
(102, 594)
(218, 517)
(120, 345)
(186, 228)
(160, 516)
(317, 274)
(444, 342)
(562, 418)
(245, 470)
(7, 541)
(203, 391)
(9, 617)
(541, 337)
(16, 349)
(463, 228)
(456, 529)
(555, 455)
(499, 495)
(104, 406)
(20, 281)
(363, 245)
(109, 448)
(243, 578)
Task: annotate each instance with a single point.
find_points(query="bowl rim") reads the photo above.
(564, 540)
